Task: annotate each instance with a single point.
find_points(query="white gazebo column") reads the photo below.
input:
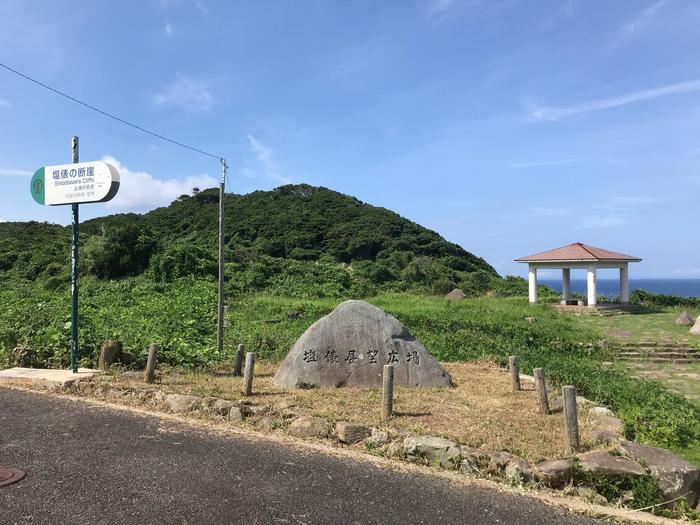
(566, 283)
(624, 284)
(592, 292)
(532, 283)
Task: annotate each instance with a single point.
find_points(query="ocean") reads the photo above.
(611, 287)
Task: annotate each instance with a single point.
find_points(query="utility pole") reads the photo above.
(220, 310)
(74, 273)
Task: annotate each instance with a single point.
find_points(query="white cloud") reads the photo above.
(643, 18)
(609, 220)
(139, 190)
(266, 158)
(202, 8)
(687, 272)
(185, 94)
(565, 12)
(556, 113)
(540, 211)
(544, 163)
(436, 7)
(629, 201)
(4, 103)
(4, 172)
(168, 29)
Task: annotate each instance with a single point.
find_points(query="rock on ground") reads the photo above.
(601, 411)
(604, 436)
(685, 320)
(557, 404)
(394, 449)
(474, 460)
(351, 345)
(377, 438)
(695, 330)
(181, 403)
(456, 294)
(350, 433)
(555, 473)
(518, 470)
(435, 449)
(221, 407)
(309, 426)
(109, 354)
(271, 422)
(605, 464)
(674, 476)
(498, 461)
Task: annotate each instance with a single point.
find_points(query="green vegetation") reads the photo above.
(181, 316)
(656, 326)
(657, 299)
(151, 277)
(298, 240)
(644, 490)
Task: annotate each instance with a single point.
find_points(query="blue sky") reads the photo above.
(509, 126)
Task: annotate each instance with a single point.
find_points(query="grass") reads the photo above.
(493, 328)
(481, 411)
(653, 326)
(681, 378)
(181, 317)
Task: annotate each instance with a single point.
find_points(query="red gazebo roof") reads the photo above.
(578, 252)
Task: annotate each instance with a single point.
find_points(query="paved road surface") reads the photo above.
(88, 464)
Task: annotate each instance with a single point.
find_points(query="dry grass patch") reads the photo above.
(481, 411)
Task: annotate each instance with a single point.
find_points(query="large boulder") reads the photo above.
(685, 320)
(674, 476)
(695, 329)
(351, 345)
(608, 465)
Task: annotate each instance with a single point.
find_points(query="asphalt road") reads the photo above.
(88, 464)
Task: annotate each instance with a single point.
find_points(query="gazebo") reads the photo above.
(574, 256)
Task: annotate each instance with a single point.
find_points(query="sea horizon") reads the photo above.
(610, 287)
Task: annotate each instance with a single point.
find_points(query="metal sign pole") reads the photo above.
(74, 275)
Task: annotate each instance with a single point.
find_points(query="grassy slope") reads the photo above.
(656, 326)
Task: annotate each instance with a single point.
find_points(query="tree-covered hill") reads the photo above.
(273, 238)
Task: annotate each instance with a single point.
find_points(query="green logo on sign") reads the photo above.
(36, 186)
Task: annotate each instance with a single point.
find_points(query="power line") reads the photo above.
(114, 117)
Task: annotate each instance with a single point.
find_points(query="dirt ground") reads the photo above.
(481, 411)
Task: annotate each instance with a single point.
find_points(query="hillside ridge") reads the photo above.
(296, 222)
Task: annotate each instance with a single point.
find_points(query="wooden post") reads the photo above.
(514, 365)
(238, 366)
(571, 418)
(541, 388)
(249, 371)
(388, 392)
(151, 363)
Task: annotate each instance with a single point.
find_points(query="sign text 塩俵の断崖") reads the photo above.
(75, 183)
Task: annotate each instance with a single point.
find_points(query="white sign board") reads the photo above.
(75, 183)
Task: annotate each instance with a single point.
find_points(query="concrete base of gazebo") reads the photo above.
(600, 307)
